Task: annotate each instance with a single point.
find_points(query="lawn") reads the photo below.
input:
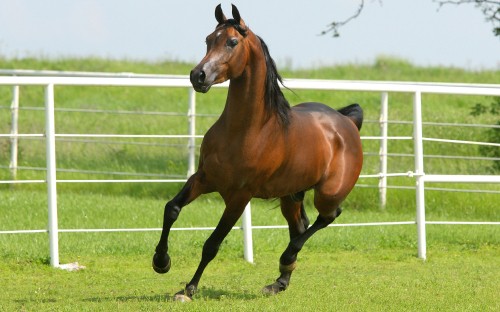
(340, 268)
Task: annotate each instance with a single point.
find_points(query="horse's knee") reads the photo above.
(172, 211)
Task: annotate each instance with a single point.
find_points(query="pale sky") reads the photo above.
(162, 29)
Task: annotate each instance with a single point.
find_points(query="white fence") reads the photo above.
(51, 79)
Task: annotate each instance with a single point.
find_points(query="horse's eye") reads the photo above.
(232, 42)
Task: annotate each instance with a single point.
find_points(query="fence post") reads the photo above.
(419, 172)
(192, 132)
(50, 140)
(382, 184)
(246, 224)
(14, 109)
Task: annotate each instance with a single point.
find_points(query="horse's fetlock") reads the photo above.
(190, 290)
(288, 268)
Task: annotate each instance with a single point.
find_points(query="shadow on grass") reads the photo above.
(206, 293)
(149, 298)
(26, 301)
(203, 294)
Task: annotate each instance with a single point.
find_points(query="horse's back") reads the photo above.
(354, 112)
(313, 107)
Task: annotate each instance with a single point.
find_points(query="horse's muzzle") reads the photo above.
(198, 79)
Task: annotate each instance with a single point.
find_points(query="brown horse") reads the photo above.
(261, 147)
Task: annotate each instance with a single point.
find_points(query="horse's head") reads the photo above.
(227, 52)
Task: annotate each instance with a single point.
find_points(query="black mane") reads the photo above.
(274, 98)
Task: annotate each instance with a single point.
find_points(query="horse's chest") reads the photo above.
(229, 167)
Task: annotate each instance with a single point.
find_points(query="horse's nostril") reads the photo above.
(198, 79)
(201, 77)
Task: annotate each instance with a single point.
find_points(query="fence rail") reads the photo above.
(49, 79)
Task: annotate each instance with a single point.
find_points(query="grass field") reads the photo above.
(351, 269)
(340, 268)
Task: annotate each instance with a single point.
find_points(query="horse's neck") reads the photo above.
(245, 107)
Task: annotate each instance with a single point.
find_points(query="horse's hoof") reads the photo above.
(185, 295)
(161, 264)
(182, 298)
(273, 289)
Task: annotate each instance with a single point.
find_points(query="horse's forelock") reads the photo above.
(233, 23)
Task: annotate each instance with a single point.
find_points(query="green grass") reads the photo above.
(345, 280)
(340, 268)
(369, 268)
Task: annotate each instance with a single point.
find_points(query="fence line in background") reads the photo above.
(14, 107)
(50, 79)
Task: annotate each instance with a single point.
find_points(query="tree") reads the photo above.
(492, 134)
(490, 9)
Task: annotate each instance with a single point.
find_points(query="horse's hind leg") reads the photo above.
(298, 197)
(292, 208)
(289, 257)
(191, 190)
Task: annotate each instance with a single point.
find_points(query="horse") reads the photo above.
(262, 147)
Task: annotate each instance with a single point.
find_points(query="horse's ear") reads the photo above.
(219, 15)
(236, 16)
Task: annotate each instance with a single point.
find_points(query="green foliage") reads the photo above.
(493, 134)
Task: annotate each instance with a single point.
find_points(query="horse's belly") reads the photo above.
(290, 179)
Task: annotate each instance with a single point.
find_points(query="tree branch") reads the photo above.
(490, 9)
(333, 27)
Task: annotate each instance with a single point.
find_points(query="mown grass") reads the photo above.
(345, 280)
(341, 268)
(344, 268)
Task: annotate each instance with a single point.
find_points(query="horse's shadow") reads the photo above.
(208, 293)
(143, 298)
(203, 293)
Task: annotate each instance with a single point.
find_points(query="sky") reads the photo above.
(152, 30)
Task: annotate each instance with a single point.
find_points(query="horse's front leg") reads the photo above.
(235, 206)
(191, 190)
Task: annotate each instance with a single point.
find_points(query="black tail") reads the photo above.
(355, 113)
